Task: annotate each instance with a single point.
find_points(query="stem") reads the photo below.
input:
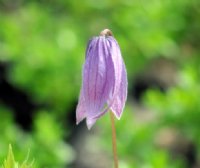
(114, 144)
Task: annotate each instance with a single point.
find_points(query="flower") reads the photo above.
(104, 85)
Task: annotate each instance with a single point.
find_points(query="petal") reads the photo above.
(90, 122)
(81, 109)
(117, 63)
(120, 100)
(97, 78)
(90, 45)
(117, 60)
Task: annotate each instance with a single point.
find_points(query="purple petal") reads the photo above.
(116, 57)
(90, 122)
(117, 63)
(97, 78)
(90, 46)
(81, 109)
(120, 99)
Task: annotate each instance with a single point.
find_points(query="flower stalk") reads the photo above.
(114, 143)
(104, 84)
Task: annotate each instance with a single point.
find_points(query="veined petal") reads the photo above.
(116, 62)
(119, 101)
(81, 109)
(97, 78)
(90, 122)
(90, 46)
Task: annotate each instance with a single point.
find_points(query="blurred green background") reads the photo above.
(42, 46)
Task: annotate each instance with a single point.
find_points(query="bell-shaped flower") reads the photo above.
(104, 85)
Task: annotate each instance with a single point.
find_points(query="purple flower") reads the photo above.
(104, 85)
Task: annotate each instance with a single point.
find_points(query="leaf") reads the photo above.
(11, 163)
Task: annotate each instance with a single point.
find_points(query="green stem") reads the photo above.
(114, 144)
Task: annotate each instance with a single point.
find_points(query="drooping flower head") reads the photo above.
(104, 85)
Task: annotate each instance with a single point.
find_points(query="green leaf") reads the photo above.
(11, 163)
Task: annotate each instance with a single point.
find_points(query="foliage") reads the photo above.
(181, 103)
(11, 163)
(45, 142)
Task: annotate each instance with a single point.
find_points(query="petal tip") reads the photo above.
(90, 122)
(77, 122)
(117, 114)
(79, 118)
(118, 117)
